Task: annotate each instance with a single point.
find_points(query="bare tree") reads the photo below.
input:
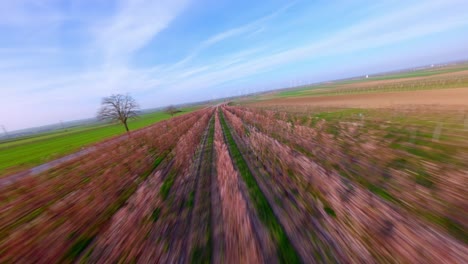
(118, 107)
(172, 110)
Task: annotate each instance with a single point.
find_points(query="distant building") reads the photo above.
(367, 76)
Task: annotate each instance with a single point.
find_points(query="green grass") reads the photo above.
(382, 193)
(202, 253)
(343, 114)
(303, 90)
(330, 211)
(155, 214)
(286, 252)
(410, 136)
(343, 87)
(45, 135)
(166, 186)
(408, 74)
(24, 219)
(155, 165)
(78, 247)
(190, 200)
(81, 244)
(32, 151)
(419, 73)
(455, 229)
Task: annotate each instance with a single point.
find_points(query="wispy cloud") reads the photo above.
(113, 40)
(357, 37)
(20, 13)
(250, 28)
(134, 25)
(62, 74)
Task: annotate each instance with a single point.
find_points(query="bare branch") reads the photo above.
(118, 107)
(172, 110)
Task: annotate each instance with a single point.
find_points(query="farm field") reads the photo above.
(441, 78)
(453, 98)
(23, 153)
(344, 178)
(233, 132)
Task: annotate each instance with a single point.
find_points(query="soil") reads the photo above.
(455, 98)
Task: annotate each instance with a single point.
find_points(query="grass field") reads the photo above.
(413, 74)
(439, 78)
(404, 138)
(27, 152)
(368, 175)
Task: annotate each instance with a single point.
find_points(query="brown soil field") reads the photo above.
(448, 98)
(366, 83)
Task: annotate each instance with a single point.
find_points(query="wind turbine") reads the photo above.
(5, 131)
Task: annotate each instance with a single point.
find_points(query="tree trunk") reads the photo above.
(126, 126)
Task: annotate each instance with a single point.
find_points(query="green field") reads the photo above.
(28, 152)
(412, 74)
(401, 83)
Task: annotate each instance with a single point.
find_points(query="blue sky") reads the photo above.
(59, 58)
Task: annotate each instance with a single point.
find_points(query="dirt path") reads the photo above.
(200, 242)
(242, 245)
(10, 179)
(34, 171)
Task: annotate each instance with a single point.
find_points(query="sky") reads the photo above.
(59, 58)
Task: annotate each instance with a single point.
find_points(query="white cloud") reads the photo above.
(250, 28)
(27, 94)
(366, 35)
(134, 25)
(21, 13)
